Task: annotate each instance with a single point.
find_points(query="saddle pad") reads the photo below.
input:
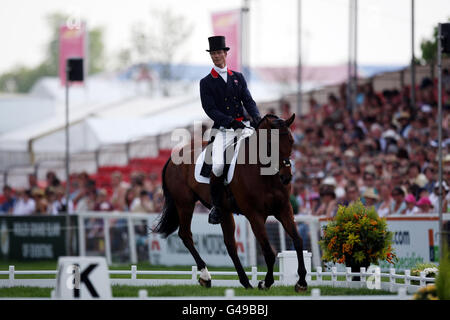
(199, 163)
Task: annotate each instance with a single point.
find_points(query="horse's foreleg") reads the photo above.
(185, 234)
(287, 220)
(259, 230)
(228, 228)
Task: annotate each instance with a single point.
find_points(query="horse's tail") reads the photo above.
(168, 220)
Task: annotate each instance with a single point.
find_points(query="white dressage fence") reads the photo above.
(371, 279)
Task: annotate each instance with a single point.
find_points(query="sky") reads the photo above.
(384, 35)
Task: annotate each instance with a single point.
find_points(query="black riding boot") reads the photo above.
(217, 188)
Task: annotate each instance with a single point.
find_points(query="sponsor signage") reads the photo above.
(228, 24)
(72, 44)
(208, 240)
(32, 238)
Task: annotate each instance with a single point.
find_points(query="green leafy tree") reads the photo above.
(21, 78)
(161, 42)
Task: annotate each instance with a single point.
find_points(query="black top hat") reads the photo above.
(217, 43)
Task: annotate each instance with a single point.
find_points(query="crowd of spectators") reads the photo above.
(383, 151)
(142, 193)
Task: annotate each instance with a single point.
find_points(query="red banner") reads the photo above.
(228, 24)
(72, 44)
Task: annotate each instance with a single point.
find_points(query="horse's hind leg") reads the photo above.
(259, 230)
(287, 220)
(228, 228)
(184, 232)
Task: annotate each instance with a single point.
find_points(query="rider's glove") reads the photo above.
(237, 125)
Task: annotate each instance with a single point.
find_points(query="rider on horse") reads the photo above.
(224, 94)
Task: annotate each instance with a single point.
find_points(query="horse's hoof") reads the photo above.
(262, 286)
(300, 288)
(205, 283)
(249, 286)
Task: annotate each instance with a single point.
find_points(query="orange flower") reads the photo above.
(373, 222)
(346, 248)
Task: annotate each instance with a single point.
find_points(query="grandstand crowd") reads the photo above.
(384, 151)
(142, 193)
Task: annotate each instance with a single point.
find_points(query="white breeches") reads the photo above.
(223, 139)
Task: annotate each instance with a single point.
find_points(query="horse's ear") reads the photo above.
(290, 120)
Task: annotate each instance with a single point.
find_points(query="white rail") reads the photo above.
(315, 278)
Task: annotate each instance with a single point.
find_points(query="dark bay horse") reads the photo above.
(256, 196)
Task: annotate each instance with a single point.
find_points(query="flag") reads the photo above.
(72, 44)
(228, 24)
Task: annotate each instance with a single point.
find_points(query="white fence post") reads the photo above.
(229, 293)
(307, 260)
(133, 272)
(11, 275)
(194, 274)
(143, 294)
(314, 234)
(348, 276)
(407, 279)
(377, 277)
(402, 293)
(315, 293)
(81, 236)
(362, 272)
(254, 276)
(132, 240)
(107, 240)
(333, 275)
(392, 279)
(422, 278)
(319, 275)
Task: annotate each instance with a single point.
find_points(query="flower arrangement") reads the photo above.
(357, 237)
(430, 270)
(426, 293)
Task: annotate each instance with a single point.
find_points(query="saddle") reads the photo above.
(207, 166)
(203, 168)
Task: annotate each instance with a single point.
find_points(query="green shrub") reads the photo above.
(443, 278)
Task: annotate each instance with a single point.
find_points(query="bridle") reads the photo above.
(285, 162)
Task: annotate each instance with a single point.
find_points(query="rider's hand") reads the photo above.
(237, 125)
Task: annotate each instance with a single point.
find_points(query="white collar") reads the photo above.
(221, 70)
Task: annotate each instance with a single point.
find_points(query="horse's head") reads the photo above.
(286, 141)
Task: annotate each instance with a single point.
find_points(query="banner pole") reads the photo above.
(67, 164)
(439, 60)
